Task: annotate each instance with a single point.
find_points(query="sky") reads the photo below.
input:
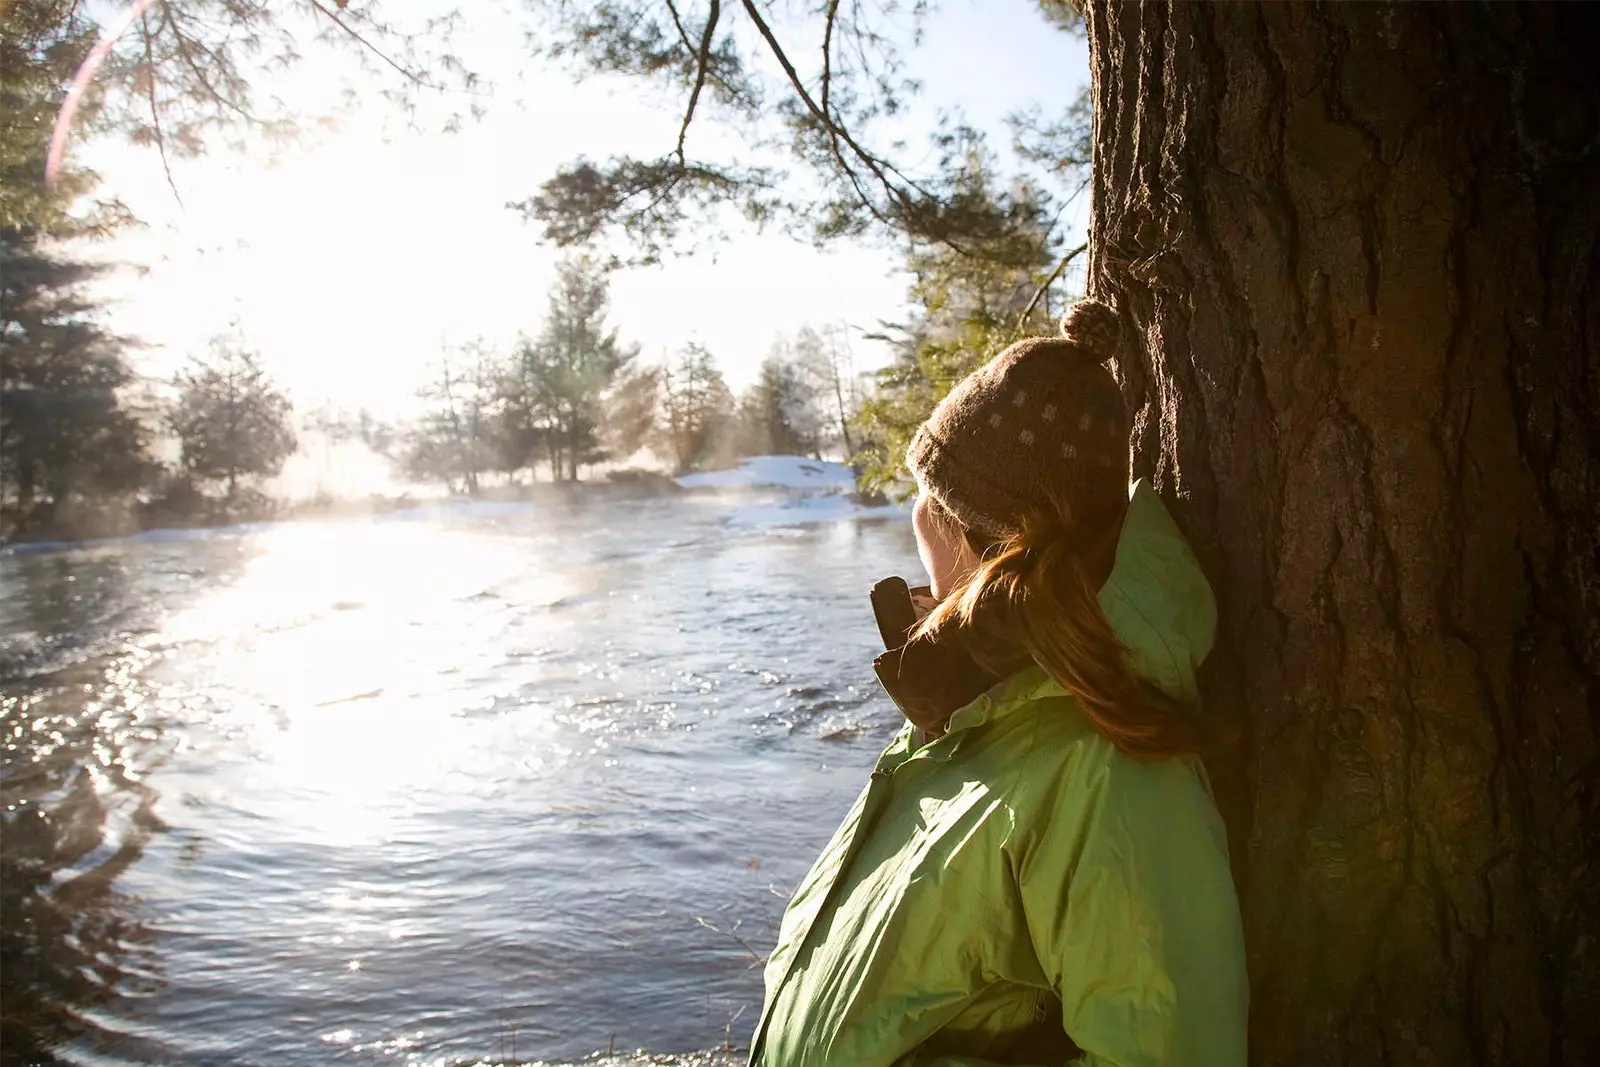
(350, 257)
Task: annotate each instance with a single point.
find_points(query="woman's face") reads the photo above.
(945, 554)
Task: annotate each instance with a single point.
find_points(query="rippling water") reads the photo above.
(438, 789)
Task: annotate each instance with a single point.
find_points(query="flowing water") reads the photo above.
(437, 788)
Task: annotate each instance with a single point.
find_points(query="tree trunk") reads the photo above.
(1357, 243)
(844, 417)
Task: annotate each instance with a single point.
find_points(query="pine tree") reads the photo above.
(528, 408)
(231, 421)
(632, 409)
(696, 408)
(555, 387)
(64, 436)
(1356, 246)
(778, 412)
(68, 446)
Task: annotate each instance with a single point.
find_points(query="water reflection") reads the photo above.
(400, 790)
(80, 733)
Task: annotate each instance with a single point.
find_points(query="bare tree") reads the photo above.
(454, 442)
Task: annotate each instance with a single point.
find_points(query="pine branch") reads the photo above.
(878, 167)
(702, 67)
(411, 75)
(155, 111)
(683, 34)
(186, 46)
(827, 54)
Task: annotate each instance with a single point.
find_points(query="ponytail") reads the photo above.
(1032, 592)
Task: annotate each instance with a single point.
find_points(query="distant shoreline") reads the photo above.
(105, 528)
(821, 490)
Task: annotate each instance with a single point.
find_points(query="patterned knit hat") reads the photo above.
(1038, 430)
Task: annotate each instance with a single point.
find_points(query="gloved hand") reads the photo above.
(928, 678)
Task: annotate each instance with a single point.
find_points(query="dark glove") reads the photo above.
(928, 678)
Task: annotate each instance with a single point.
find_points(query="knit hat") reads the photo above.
(1039, 428)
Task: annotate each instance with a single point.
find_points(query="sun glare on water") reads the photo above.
(345, 654)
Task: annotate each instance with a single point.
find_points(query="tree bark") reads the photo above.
(1357, 247)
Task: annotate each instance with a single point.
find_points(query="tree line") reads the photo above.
(574, 395)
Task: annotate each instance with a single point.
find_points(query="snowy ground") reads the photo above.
(776, 472)
(816, 491)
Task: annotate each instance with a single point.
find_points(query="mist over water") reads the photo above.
(444, 787)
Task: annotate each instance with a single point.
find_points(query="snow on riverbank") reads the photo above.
(777, 472)
(817, 491)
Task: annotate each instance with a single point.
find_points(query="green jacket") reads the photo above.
(1020, 892)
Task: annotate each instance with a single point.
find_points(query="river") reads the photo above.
(446, 787)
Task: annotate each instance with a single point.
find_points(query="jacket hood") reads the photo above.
(1157, 600)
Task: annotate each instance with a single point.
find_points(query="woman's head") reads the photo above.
(1039, 432)
(1022, 472)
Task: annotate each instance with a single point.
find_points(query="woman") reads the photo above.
(1036, 873)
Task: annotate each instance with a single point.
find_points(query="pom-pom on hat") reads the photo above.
(1040, 430)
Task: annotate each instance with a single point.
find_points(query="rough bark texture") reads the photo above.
(1358, 242)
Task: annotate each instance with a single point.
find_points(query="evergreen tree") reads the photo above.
(556, 385)
(778, 412)
(41, 46)
(1358, 250)
(696, 408)
(632, 407)
(66, 439)
(231, 421)
(527, 417)
(64, 436)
